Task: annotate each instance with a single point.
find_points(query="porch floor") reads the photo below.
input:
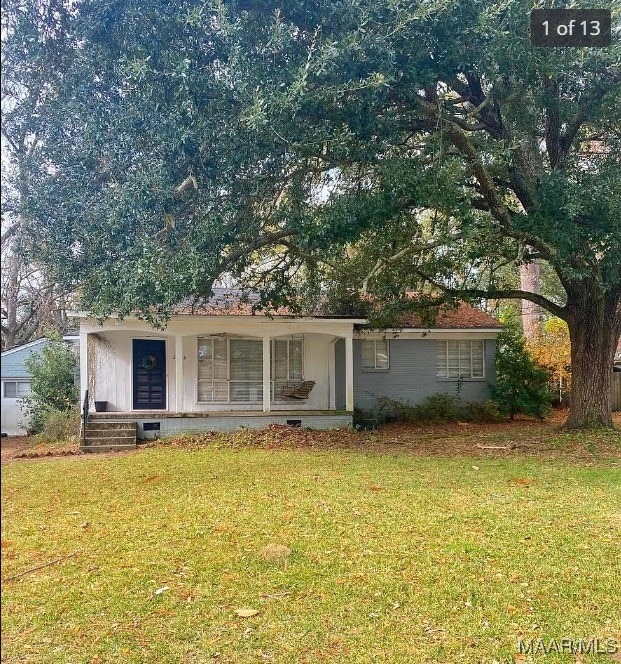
(157, 423)
(160, 414)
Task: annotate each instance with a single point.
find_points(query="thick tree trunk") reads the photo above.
(594, 327)
(531, 314)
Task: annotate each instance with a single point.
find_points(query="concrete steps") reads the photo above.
(109, 436)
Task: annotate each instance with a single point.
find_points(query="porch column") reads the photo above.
(266, 375)
(84, 367)
(332, 374)
(349, 373)
(179, 375)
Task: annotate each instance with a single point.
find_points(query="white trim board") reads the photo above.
(464, 333)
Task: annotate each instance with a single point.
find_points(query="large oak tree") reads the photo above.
(282, 142)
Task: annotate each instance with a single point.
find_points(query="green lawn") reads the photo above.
(394, 557)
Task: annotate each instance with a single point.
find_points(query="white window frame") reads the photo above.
(444, 344)
(275, 397)
(17, 384)
(375, 342)
(227, 381)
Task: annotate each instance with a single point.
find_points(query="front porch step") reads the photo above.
(112, 431)
(106, 425)
(109, 436)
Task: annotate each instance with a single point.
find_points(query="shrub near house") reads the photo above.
(53, 393)
(521, 384)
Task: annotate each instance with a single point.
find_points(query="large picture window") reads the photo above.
(231, 370)
(460, 359)
(375, 355)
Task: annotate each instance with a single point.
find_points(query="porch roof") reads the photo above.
(234, 303)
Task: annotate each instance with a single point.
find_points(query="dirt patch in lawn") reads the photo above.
(12, 445)
(22, 447)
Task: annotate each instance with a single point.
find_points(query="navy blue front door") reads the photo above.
(149, 372)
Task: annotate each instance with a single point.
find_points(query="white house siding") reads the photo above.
(13, 368)
(411, 377)
(112, 367)
(12, 415)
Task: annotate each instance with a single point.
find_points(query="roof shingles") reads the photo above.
(231, 302)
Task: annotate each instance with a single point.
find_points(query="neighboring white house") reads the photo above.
(16, 383)
(219, 366)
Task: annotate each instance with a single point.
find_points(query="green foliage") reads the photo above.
(58, 426)
(52, 386)
(521, 384)
(391, 145)
(487, 411)
(207, 135)
(437, 408)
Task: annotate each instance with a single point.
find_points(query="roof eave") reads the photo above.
(258, 317)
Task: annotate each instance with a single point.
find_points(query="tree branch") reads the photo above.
(498, 294)
(259, 243)
(511, 294)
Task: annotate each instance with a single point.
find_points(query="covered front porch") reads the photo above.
(158, 424)
(218, 372)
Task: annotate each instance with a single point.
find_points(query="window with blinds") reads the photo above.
(213, 370)
(460, 359)
(230, 370)
(287, 364)
(375, 354)
(16, 389)
(245, 370)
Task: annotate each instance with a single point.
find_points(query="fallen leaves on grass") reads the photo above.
(520, 438)
(41, 566)
(154, 478)
(521, 481)
(246, 613)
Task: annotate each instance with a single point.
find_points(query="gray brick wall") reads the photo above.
(411, 377)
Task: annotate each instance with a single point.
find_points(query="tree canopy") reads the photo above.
(354, 146)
